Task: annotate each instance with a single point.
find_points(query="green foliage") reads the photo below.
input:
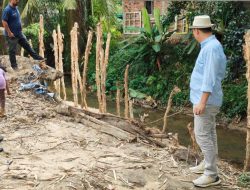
(244, 180)
(231, 20)
(146, 51)
(32, 32)
(136, 94)
(105, 11)
(235, 99)
(69, 4)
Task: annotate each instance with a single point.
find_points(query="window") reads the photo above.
(132, 23)
(149, 5)
(181, 24)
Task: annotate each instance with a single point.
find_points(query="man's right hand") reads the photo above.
(11, 35)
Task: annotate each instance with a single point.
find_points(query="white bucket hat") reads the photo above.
(202, 21)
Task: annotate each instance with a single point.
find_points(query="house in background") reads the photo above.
(132, 17)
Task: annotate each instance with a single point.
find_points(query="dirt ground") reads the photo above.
(45, 150)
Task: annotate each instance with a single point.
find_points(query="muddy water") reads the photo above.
(231, 144)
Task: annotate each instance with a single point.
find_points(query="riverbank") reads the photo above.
(47, 150)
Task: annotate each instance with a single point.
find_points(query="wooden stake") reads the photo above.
(98, 80)
(41, 34)
(60, 59)
(103, 86)
(104, 72)
(131, 109)
(85, 69)
(247, 58)
(174, 91)
(126, 98)
(57, 82)
(118, 95)
(74, 63)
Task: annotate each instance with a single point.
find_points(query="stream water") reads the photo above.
(231, 143)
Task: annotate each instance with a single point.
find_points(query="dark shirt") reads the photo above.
(12, 16)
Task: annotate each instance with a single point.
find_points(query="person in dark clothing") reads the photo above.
(13, 33)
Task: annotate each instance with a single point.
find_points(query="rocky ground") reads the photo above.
(47, 150)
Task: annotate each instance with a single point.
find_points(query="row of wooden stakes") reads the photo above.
(79, 81)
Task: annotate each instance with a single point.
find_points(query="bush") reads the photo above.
(32, 32)
(235, 99)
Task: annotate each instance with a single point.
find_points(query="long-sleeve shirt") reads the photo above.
(2, 79)
(209, 71)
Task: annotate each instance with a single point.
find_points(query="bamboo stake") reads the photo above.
(195, 146)
(98, 49)
(174, 91)
(126, 98)
(118, 95)
(85, 69)
(74, 59)
(247, 58)
(57, 82)
(41, 34)
(60, 60)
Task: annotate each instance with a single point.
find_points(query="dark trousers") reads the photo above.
(22, 41)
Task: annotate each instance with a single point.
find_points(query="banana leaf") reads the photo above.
(157, 16)
(146, 21)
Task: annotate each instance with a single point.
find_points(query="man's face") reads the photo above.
(14, 2)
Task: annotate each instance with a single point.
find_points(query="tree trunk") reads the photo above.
(247, 58)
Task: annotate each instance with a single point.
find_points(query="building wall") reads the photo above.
(137, 5)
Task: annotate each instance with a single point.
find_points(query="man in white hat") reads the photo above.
(206, 96)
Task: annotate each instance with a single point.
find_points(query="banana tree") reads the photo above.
(155, 36)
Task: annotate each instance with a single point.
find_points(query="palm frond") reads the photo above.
(30, 6)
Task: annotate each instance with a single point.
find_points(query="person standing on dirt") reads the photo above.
(206, 96)
(11, 21)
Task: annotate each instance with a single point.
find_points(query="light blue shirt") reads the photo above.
(208, 72)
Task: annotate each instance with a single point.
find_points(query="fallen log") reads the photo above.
(107, 120)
